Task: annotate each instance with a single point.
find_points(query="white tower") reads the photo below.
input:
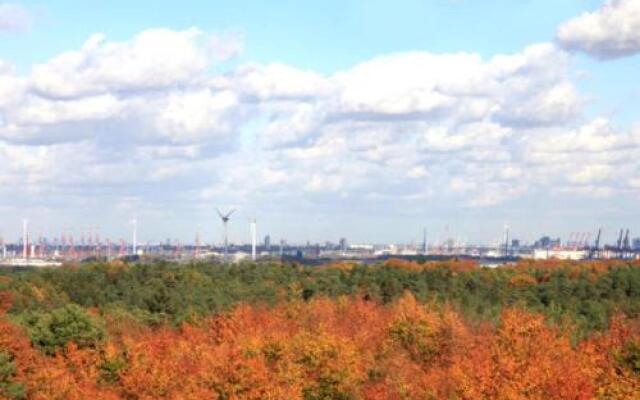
(252, 223)
(25, 239)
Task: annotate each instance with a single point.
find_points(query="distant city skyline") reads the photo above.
(367, 120)
(436, 236)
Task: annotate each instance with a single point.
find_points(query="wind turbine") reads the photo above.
(225, 221)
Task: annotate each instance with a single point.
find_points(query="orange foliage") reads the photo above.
(404, 264)
(335, 349)
(522, 280)
(341, 265)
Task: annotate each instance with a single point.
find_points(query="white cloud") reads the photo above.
(151, 89)
(14, 17)
(465, 137)
(153, 59)
(612, 31)
(590, 174)
(200, 115)
(276, 81)
(418, 172)
(526, 88)
(226, 46)
(149, 119)
(291, 124)
(38, 111)
(634, 182)
(401, 84)
(558, 104)
(11, 86)
(597, 136)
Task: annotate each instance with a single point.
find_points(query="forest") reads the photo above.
(394, 330)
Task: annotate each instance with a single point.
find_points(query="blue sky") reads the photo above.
(306, 116)
(326, 36)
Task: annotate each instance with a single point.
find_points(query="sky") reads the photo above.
(368, 120)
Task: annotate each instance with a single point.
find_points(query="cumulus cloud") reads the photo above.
(593, 159)
(14, 17)
(38, 111)
(11, 86)
(153, 59)
(149, 119)
(187, 116)
(152, 88)
(380, 126)
(613, 31)
(276, 81)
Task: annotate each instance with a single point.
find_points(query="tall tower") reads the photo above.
(343, 245)
(267, 243)
(254, 239)
(506, 240)
(196, 248)
(424, 241)
(25, 239)
(135, 236)
(98, 243)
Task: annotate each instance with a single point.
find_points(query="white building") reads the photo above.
(560, 254)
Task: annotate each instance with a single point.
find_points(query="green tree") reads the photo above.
(53, 330)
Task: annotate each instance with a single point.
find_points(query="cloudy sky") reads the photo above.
(367, 119)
